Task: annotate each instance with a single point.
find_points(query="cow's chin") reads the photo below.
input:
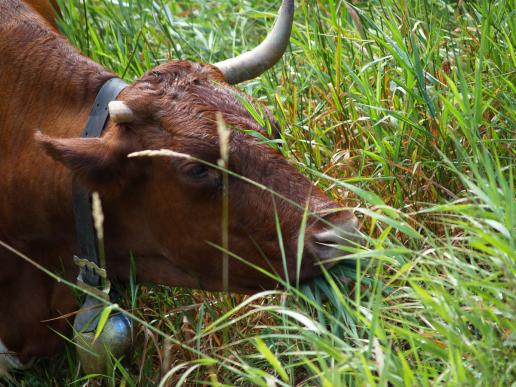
(161, 270)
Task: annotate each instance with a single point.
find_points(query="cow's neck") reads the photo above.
(47, 85)
(43, 77)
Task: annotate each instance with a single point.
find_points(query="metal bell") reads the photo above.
(114, 341)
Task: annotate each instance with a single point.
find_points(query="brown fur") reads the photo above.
(154, 208)
(46, 8)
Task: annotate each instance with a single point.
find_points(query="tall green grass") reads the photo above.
(403, 110)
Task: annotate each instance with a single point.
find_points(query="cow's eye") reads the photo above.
(197, 171)
(199, 176)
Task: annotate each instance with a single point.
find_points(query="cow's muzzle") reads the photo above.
(335, 240)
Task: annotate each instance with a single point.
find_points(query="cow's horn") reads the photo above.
(253, 63)
(120, 112)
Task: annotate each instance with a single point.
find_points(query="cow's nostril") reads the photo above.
(326, 243)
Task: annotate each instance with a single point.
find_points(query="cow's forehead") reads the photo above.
(182, 73)
(184, 98)
(191, 94)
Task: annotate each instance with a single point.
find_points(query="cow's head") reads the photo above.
(168, 210)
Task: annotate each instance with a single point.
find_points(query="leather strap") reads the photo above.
(81, 197)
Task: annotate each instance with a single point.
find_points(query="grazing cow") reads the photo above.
(165, 211)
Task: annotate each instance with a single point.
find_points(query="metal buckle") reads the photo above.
(85, 264)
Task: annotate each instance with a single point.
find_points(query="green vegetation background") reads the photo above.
(402, 109)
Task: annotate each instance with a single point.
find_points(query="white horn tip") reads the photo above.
(120, 112)
(251, 64)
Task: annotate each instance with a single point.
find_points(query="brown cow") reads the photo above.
(163, 210)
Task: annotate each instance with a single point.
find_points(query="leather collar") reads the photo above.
(81, 197)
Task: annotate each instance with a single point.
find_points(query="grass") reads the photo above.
(402, 109)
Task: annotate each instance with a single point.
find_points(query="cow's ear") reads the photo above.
(98, 163)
